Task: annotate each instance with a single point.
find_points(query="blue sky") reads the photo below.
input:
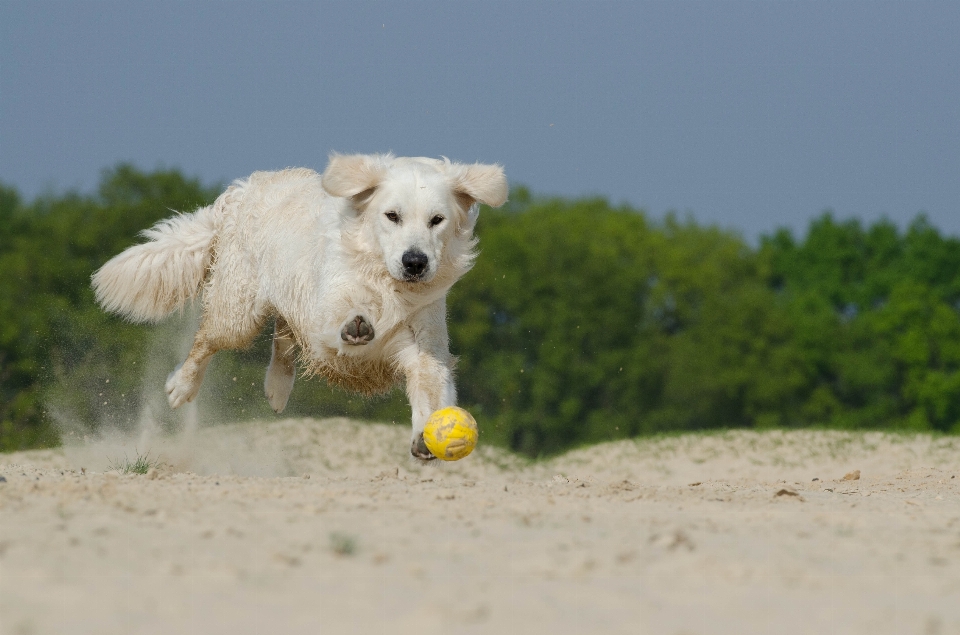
(750, 115)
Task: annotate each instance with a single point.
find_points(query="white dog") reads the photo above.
(354, 265)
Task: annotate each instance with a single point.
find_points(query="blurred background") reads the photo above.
(737, 214)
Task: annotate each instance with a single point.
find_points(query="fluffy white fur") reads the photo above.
(329, 257)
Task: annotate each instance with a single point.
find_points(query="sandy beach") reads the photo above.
(327, 526)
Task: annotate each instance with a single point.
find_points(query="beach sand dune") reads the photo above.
(326, 526)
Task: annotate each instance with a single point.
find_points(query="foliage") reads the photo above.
(586, 323)
(581, 322)
(50, 328)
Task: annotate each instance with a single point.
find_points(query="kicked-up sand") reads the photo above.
(308, 526)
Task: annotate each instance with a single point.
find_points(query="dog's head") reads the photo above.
(414, 211)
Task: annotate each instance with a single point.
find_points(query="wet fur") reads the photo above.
(312, 251)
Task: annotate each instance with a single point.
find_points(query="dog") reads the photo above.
(353, 265)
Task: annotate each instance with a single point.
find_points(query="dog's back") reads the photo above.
(147, 282)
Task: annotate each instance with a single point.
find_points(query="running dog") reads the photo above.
(353, 265)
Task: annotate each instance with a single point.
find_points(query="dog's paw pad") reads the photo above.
(419, 451)
(357, 331)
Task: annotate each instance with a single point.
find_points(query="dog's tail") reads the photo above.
(147, 282)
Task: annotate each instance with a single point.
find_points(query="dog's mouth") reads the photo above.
(413, 279)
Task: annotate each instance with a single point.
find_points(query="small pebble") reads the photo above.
(3, 479)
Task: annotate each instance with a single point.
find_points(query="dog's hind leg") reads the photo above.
(281, 372)
(183, 384)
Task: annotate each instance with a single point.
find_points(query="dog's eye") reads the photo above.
(436, 220)
(393, 216)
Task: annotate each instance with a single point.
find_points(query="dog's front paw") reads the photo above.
(357, 331)
(419, 451)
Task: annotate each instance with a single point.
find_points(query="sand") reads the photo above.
(307, 526)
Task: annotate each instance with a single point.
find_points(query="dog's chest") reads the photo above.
(367, 372)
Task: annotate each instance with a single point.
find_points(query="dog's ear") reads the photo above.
(355, 176)
(477, 183)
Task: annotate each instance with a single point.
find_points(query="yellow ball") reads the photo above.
(450, 433)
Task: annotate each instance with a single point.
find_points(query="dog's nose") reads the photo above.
(414, 262)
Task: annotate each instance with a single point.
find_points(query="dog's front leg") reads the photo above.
(429, 388)
(428, 367)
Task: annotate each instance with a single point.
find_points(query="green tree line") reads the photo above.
(581, 322)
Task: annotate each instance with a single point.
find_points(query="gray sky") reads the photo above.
(750, 115)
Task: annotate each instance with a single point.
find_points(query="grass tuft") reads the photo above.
(141, 465)
(343, 544)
